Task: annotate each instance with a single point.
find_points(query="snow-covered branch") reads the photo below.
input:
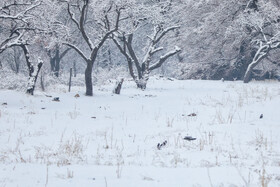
(164, 32)
(164, 58)
(21, 15)
(88, 36)
(156, 50)
(81, 22)
(275, 44)
(79, 51)
(11, 41)
(262, 52)
(72, 16)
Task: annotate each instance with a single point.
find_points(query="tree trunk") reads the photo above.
(70, 80)
(42, 82)
(248, 73)
(141, 82)
(33, 77)
(118, 87)
(57, 67)
(75, 68)
(32, 72)
(88, 78)
(250, 68)
(57, 62)
(52, 62)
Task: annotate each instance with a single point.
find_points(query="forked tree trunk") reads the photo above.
(145, 67)
(33, 77)
(80, 23)
(33, 72)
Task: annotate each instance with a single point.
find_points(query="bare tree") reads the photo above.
(18, 15)
(56, 56)
(93, 43)
(145, 66)
(142, 36)
(266, 22)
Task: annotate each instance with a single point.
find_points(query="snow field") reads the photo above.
(111, 140)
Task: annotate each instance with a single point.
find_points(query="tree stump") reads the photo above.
(118, 87)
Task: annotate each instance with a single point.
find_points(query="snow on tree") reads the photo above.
(34, 72)
(26, 24)
(264, 19)
(14, 17)
(153, 17)
(104, 17)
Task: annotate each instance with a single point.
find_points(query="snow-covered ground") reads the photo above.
(111, 140)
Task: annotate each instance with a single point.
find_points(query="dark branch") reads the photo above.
(77, 50)
(64, 53)
(128, 58)
(131, 52)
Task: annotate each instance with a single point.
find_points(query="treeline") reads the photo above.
(211, 39)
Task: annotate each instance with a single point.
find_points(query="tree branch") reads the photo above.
(64, 53)
(77, 50)
(131, 51)
(110, 32)
(164, 58)
(9, 43)
(27, 58)
(164, 32)
(156, 50)
(19, 16)
(128, 58)
(82, 22)
(72, 16)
